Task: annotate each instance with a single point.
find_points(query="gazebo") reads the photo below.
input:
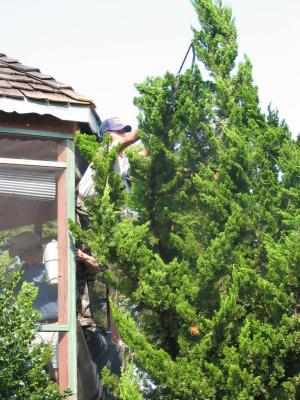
(38, 120)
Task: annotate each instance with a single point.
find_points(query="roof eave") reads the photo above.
(84, 113)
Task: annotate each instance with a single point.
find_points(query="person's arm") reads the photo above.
(129, 139)
(88, 260)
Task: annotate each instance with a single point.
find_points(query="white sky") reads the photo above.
(102, 47)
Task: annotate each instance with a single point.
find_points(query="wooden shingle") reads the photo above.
(4, 84)
(20, 85)
(22, 81)
(11, 93)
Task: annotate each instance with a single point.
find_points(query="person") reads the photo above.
(121, 135)
(88, 381)
(95, 347)
(28, 247)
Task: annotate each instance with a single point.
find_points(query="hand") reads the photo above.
(81, 255)
(89, 261)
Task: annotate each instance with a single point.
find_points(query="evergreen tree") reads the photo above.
(208, 270)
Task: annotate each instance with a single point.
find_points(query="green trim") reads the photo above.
(31, 132)
(72, 340)
(53, 328)
(78, 173)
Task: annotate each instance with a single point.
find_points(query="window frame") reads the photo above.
(66, 166)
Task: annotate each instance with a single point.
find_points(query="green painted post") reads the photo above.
(72, 345)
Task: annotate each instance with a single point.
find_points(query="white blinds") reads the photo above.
(28, 184)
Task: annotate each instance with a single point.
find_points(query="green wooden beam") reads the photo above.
(33, 132)
(72, 339)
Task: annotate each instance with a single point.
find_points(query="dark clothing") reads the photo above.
(88, 378)
(82, 216)
(95, 350)
(95, 347)
(83, 303)
(103, 350)
(46, 300)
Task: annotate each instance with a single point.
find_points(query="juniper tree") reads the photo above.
(208, 270)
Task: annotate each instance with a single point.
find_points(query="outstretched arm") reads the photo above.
(127, 140)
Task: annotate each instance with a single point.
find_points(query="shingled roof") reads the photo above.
(42, 94)
(20, 81)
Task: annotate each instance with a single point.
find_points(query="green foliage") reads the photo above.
(126, 387)
(208, 273)
(22, 374)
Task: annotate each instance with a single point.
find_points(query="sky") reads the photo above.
(103, 47)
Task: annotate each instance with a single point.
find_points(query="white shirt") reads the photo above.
(122, 163)
(86, 186)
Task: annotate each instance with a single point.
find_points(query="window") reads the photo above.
(33, 225)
